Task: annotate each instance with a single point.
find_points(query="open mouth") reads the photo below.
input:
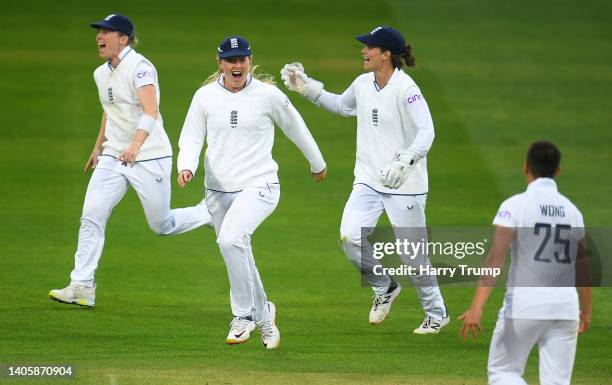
(101, 45)
(236, 75)
(365, 59)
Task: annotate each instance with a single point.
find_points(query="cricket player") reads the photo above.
(132, 149)
(546, 234)
(235, 113)
(394, 134)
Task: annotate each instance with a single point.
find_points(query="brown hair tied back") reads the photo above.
(405, 57)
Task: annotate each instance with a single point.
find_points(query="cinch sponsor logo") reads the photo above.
(141, 75)
(503, 214)
(414, 98)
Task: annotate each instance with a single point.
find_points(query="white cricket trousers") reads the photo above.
(512, 341)
(364, 207)
(108, 184)
(236, 216)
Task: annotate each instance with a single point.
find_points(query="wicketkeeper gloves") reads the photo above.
(296, 80)
(395, 174)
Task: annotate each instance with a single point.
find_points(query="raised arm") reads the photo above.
(295, 79)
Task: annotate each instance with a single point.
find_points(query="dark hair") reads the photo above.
(396, 60)
(543, 159)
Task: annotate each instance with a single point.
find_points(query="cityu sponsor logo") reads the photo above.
(141, 75)
(415, 98)
(503, 214)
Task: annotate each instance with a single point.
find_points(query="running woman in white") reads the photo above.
(132, 149)
(546, 234)
(394, 134)
(235, 113)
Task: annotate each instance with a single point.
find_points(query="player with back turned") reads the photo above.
(394, 134)
(541, 306)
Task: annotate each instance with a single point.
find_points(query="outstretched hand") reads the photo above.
(290, 78)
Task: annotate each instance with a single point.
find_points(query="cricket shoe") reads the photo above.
(432, 325)
(75, 294)
(381, 305)
(270, 336)
(240, 330)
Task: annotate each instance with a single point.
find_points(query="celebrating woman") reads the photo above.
(132, 149)
(394, 134)
(235, 113)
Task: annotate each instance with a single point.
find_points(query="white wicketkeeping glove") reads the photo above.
(296, 80)
(395, 174)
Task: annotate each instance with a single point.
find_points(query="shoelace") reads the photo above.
(266, 330)
(239, 324)
(427, 322)
(379, 299)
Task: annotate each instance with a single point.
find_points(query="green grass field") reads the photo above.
(497, 76)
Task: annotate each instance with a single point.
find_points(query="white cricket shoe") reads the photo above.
(270, 335)
(240, 330)
(432, 325)
(75, 294)
(381, 305)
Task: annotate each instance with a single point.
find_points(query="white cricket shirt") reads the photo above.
(238, 128)
(547, 227)
(394, 117)
(118, 92)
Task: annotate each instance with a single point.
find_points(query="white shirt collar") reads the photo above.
(542, 183)
(394, 76)
(122, 54)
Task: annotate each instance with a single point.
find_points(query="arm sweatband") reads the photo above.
(147, 123)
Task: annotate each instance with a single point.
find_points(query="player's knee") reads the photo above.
(161, 227)
(95, 212)
(228, 240)
(92, 222)
(350, 237)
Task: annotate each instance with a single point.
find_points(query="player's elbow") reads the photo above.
(152, 112)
